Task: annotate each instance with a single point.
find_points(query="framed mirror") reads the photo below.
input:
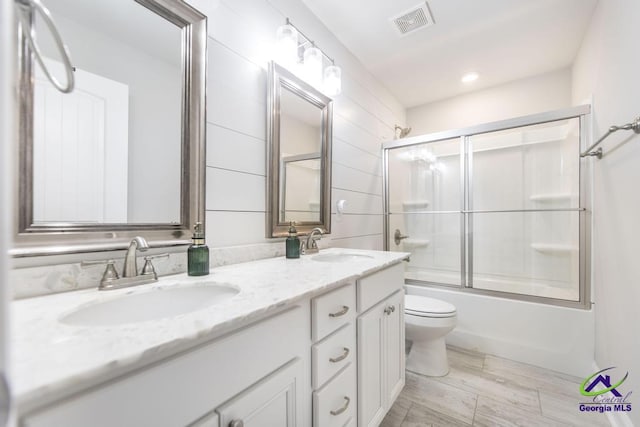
(124, 153)
(299, 127)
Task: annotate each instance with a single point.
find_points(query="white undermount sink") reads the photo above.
(154, 304)
(341, 257)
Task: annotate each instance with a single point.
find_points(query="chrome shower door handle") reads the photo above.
(5, 400)
(398, 237)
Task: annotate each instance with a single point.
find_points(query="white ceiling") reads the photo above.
(503, 40)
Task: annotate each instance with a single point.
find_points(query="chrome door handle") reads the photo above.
(341, 357)
(340, 313)
(398, 237)
(390, 309)
(344, 408)
(5, 400)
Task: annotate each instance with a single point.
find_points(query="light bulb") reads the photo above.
(332, 80)
(287, 46)
(470, 77)
(313, 66)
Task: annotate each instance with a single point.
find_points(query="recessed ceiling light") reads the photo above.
(470, 77)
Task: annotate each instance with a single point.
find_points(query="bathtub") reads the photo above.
(552, 337)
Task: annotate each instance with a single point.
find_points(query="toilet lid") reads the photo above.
(424, 306)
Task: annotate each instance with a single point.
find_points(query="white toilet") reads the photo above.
(427, 321)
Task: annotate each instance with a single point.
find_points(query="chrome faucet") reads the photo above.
(130, 275)
(310, 246)
(130, 263)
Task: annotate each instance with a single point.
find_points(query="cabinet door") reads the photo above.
(394, 346)
(272, 402)
(371, 396)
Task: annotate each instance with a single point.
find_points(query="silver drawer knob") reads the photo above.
(341, 357)
(342, 312)
(236, 423)
(344, 408)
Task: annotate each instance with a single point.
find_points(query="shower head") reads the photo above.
(403, 131)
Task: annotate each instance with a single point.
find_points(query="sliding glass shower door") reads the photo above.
(494, 208)
(425, 203)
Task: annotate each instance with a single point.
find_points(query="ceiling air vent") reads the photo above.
(416, 18)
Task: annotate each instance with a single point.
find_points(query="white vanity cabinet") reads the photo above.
(381, 354)
(330, 359)
(256, 375)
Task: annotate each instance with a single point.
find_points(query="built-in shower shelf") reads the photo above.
(552, 197)
(415, 205)
(415, 243)
(553, 248)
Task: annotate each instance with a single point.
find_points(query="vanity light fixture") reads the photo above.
(332, 80)
(470, 77)
(286, 51)
(290, 42)
(313, 66)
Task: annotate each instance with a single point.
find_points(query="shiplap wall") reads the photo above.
(241, 33)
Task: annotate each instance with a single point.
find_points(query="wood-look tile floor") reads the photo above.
(484, 390)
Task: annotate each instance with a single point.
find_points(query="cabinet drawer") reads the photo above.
(332, 354)
(332, 310)
(374, 288)
(335, 403)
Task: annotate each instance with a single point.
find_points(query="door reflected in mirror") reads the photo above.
(110, 151)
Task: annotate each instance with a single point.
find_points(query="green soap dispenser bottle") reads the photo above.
(293, 242)
(198, 253)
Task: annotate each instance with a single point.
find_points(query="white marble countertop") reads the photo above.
(51, 359)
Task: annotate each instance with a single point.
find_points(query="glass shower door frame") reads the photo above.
(466, 203)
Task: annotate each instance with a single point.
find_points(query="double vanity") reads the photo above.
(317, 341)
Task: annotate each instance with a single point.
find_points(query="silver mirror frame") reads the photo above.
(66, 238)
(279, 78)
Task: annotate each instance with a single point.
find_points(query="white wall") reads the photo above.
(536, 94)
(240, 35)
(608, 68)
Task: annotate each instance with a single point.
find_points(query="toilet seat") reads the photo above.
(416, 305)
